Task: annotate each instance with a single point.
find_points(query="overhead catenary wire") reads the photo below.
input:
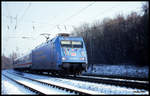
(27, 8)
(67, 19)
(70, 17)
(77, 13)
(107, 10)
(73, 15)
(18, 20)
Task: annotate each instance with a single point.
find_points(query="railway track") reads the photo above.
(28, 87)
(111, 81)
(117, 82)
(66, 88)
(100, 87)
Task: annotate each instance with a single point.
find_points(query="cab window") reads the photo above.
(65, 43)
(77, 44)
(71, 44)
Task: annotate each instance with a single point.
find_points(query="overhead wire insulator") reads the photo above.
(58, 27)
(33, 27)
(65, 27)
(15, 27)
(8, 27)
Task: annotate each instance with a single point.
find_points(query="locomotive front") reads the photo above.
(73, 53)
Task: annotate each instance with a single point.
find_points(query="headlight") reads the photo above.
(63, 58)
(82, 58)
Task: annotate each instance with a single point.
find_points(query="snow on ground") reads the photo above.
(100, 88)
(45, 89)
(119, 70)
(117, 79)
(10, 87)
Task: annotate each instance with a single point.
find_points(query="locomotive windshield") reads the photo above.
(71, 44)
(77, 44)
(66, 43)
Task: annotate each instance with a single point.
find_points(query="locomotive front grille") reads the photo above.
(69, 65)
(73, 67)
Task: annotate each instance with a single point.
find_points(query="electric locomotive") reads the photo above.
(62, 54)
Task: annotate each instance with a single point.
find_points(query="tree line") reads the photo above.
(118, 40)
(7, 62)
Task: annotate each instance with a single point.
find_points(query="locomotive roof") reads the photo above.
(53, 39)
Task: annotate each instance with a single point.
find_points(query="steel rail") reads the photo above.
(77, 91)
(128, 84)
(31, 89)
(122, 83)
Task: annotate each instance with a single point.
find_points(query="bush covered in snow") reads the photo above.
(119, 71)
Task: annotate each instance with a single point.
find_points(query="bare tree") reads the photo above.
(5, 62)
(118, 40)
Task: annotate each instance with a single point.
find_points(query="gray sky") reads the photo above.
(31, 19)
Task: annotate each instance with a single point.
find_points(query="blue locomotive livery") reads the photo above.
(62, 54)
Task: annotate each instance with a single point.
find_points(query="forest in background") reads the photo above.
(121, 40)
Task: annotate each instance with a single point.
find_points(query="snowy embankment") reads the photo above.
(98, 88)
(10, 87)
(35, 85)
(119, 71)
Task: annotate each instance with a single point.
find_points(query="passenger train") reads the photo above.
(63, 55)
